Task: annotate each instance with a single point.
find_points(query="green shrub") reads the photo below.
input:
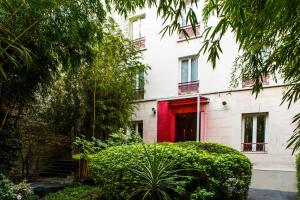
(23, 190)
(76, 192)
(6, 190)
(298, 173)
(209, 147)
(208, 171)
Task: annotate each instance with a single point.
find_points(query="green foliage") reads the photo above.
(204, 174)
(298, 173)
(209, 147)
(76, 192)
(96, 99)
(120, 137)
(10, 146)
(86, 148)
(9, 191)
(6, 191)
(54, 33)
(155, 178)
(201, 194)
(23, 190)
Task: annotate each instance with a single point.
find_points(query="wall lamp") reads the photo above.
(154, 111)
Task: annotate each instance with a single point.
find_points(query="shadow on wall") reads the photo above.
(41, 147)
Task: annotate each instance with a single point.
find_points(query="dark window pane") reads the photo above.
(140, 128)
(248, 129)
(261, 125)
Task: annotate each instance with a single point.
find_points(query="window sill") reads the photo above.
(188, 39)
(254, 152)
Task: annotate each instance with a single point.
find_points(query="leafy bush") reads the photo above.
(155, 179)
(86, 147)
(6, 190)
(76, 192)
(298, 173)
(9, 191)
(23, 190)
(207, 170)
(209, 147)
(10, 146)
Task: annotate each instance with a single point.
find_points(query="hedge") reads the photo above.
(209, 170)
(76, 192)
(298, 173)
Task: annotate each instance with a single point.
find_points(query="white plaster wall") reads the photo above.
(162, 54)
(224, 125)
(144, 112)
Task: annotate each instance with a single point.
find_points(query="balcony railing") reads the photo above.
(250, 82)
(140, 43)
(189, 32)
(188, 87)
(254, 147)
(139, 94)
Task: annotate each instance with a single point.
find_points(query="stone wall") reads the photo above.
(41, 147)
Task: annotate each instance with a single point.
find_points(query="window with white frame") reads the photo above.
(138, 27)
(254, 132)
(183, 20)
(189, 69)
(139, 81)
(137, 127)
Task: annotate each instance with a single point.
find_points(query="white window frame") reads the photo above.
(185, 12)
(138, 18)
(137, 81)
(254, 129)
(136, 127)
(189, 68)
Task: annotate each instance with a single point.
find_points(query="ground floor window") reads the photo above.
(137, 127)
(254, 132)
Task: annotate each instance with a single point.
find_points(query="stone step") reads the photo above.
(52, 174)
(60, 168)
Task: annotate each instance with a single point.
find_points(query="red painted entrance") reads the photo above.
(169, 110)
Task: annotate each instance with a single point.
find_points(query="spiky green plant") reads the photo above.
(156, 177)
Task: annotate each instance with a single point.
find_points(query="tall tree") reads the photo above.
(96, 99)
(36, 38)
(49, 34)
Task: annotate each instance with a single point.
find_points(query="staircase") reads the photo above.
(60, 168)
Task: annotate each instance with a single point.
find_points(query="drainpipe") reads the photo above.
(198, 133)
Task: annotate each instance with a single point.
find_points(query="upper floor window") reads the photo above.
(139, 85)
(138, 27)
(188, 76)
(186, 29)
(189, 69)
(254, 132)
(137, 30)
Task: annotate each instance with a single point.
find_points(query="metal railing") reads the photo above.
(140, 43)
(254, 147)
(189, 31)
(139, 94)
(188, 87)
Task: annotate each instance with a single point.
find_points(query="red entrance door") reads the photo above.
(186, 127)
(183, 113)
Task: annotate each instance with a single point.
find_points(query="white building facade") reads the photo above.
(183, 99)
